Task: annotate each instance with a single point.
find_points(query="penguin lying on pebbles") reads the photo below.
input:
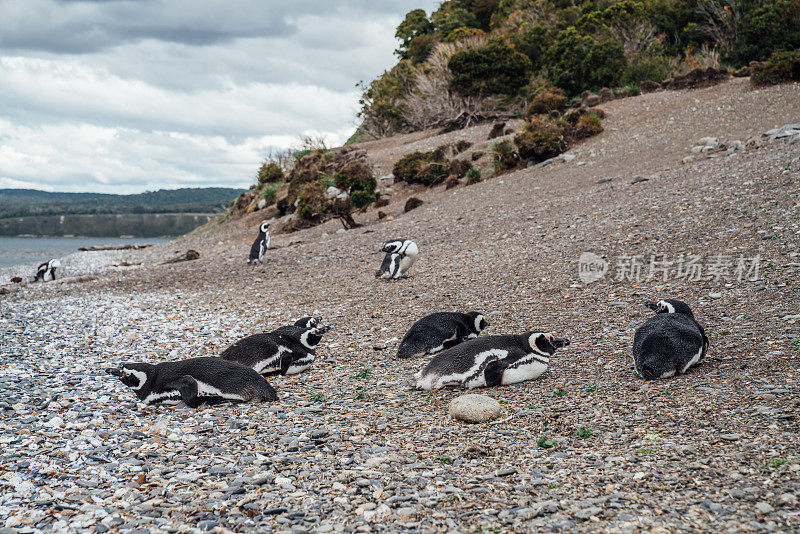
(47, 268)
(195, 381)
(260, 245)
(440, 331)
(669, 343)
(400, 256)
(302, 323)
(287, 353)
(491, 361)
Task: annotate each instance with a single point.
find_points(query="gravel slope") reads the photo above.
(346, 449)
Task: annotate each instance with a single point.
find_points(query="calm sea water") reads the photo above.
(19, 250)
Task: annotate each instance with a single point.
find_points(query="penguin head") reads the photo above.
(479, 322)
(392, 246)
(545, 343)
(264, 227)
(308, 321)
(670, 306)
(133, 375)
(311, 337)
(55, 264)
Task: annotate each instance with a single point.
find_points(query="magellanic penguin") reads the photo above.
(440, 331)
(287, 353)
(491, 361)
(260, 245)
(302, 323)
(47, 268)
(195, 381)
(669, 343)
(400, 256)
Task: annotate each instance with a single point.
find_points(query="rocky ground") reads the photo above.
(351, 447)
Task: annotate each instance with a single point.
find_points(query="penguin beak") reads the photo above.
(114, 371)
(322, 329)
(652, 305)
(560, 342)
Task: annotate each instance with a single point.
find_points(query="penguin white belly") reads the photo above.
(207, 390)
(405, 265)
(694, 360)
(470, 378)
(164, 395)
(273, 363)
(524, 371)
(298, 366)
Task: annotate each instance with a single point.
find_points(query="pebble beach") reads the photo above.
(350, 446)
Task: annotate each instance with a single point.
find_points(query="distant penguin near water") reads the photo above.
(491, 361)
(45, 269)
(400, 256)
(669, 343)
(260, 245)
(440, 331)
(195, 381)
(288, 352)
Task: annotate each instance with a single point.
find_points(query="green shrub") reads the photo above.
(473, 176)
(451, 16)
(505, 155)
(641, 67)
(357, 179)
(414, 24)
(540, 140)
(409, 166)
(269, 173)
(780, 67)
(588, 125)
(577, 62)
(463, 33)
(269, 191)
(311, 201)
(533, 42)
(547, 100)
(421, 48)
(494, 69)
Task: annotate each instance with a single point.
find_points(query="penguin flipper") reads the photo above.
(187, 387)
(493, 373)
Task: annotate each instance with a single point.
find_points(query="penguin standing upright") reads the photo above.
(440, 331)
(195, 381)
(47, 268)
(289, 352)
(260, 245)
(491, 361)
(669, 343)
(400, 256)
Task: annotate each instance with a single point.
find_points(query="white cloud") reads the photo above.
(121, 96)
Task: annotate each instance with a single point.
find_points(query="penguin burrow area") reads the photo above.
(651, 419)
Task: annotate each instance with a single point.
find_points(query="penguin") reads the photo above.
(287, 353)
(400, 256)
(48, 267)
(260, 245)
(440, 331)
(303, 323)
(491, 361)
(669, 343)
(195, 381)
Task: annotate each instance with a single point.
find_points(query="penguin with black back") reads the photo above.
(288, 352)
(440, 331)
(401, 254)
(491, 361)
(45, 269)
(670, 342)
(260, 245)
(195, 381)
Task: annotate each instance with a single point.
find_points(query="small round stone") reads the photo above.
(472, 408)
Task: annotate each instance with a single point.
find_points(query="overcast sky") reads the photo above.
(123, 96)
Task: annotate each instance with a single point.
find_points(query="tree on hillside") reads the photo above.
(414, 25)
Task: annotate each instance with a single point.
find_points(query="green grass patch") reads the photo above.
(546, 443)
(317, 397)
(585, 432)
(560, 392)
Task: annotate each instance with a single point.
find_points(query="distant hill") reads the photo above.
(30, 202)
